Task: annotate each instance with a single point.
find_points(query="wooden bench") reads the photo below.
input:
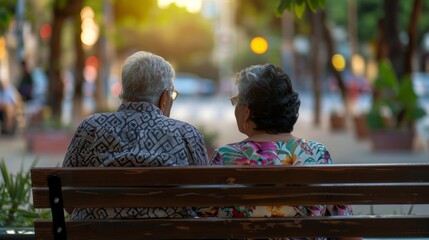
(59, 188)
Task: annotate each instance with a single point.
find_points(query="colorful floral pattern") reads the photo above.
(294, 152)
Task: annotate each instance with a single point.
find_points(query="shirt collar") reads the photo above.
(139, 106)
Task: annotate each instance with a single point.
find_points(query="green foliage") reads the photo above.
(132, 12)
(15, 191)
(210, 137)
(253, 16)
(7, 11)
(397, 96)
(299, 6)
(185, 39)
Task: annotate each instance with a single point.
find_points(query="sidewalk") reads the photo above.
(343, 146)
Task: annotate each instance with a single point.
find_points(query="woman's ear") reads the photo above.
(247, 122)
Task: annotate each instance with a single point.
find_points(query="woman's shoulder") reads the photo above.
(310, 142)
(312, 152)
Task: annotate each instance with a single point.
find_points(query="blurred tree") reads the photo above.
(400, 53)
(257, 18)
(7, 11)
(386, 18)
(185, 39)
(320, 30)
(61, 10)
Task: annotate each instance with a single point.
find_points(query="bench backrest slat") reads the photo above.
(224, 196)
(242, 228)
(381, 173)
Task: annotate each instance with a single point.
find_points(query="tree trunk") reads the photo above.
(394, 45)
(100, 96)
(61, 11)
(78, 72)
(316, 20)
(412, 35)
(331, 51)
(56, 85)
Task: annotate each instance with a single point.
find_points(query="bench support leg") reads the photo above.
(57, 207)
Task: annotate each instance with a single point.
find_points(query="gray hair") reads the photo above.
(246, 79)
(145, 76)
(269, 95)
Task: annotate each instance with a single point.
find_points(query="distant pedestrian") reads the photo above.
(25, 85)
(9, 104)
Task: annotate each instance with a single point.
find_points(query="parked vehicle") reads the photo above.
(190, 84)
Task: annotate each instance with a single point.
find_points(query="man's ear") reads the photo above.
(162, 104)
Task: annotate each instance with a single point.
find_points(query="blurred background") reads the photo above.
(356, 64)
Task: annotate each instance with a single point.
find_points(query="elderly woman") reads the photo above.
(266, 110)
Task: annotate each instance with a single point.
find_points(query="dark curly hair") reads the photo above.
(273, 104)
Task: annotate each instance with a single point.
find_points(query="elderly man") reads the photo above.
(139, 134)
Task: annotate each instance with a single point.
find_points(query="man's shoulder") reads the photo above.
(98, 118)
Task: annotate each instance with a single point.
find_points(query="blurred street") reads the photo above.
(215, 114)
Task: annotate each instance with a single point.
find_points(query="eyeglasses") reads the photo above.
(174, 94)
(234, 101)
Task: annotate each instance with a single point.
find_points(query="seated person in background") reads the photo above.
(139, 134)
(9, 104)
(266, 110)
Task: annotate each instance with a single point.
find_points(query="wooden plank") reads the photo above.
(224, 196)
(350, 226)
(381, 173)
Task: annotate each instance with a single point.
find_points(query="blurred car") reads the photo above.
(190, 84)
(421, 84)
(421, 88)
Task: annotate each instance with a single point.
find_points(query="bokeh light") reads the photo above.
(92, 61)
(90, 29)
(115, 89)
(45, 31)
(259, 45)
(338, 62)
(87, 12)
(192, 6)
(2, 48)
(358, 65)
(90, 73)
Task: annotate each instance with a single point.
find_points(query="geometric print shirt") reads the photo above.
(137, 135)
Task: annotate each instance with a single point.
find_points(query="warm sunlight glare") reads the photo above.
(192, 6)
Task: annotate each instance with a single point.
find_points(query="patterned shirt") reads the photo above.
(137, 135)
(292, 152)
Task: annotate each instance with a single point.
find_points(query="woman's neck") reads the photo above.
(259, 136)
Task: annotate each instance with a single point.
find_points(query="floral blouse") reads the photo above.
(294, 152)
